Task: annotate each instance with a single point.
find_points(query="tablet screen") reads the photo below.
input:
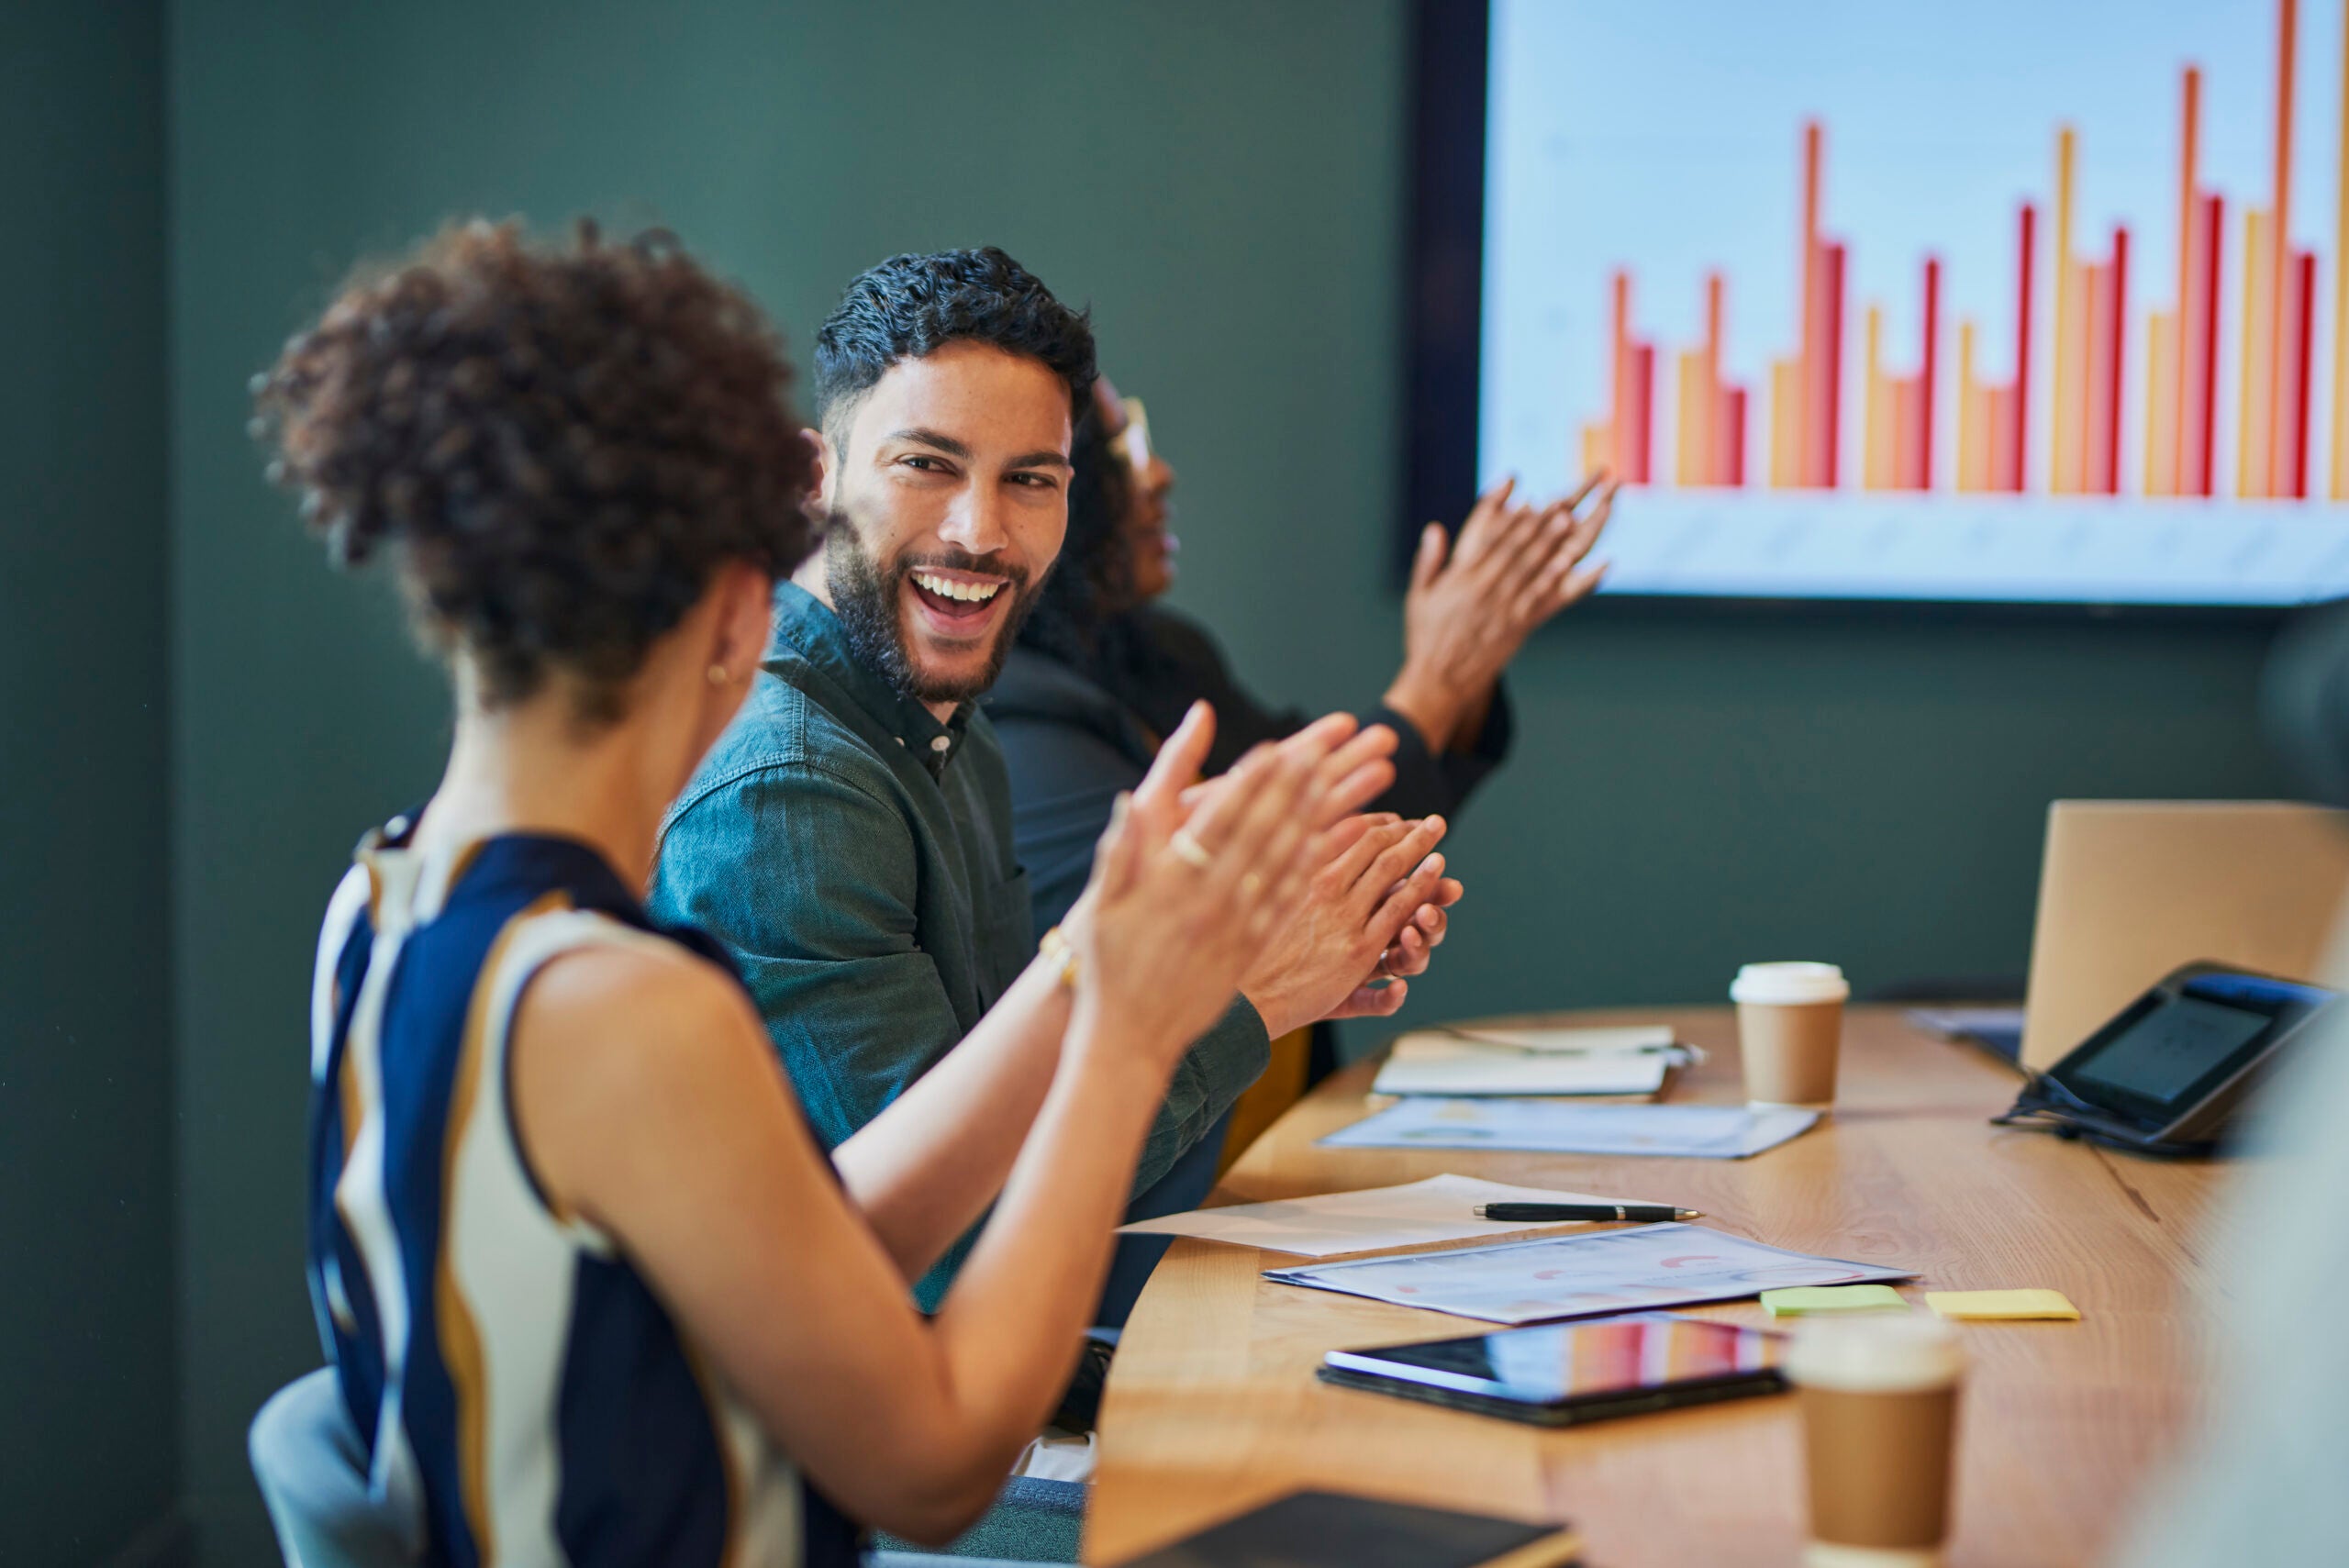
(1574, 1361)
(2169, 1049)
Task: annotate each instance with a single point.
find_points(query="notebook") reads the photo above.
(1326, 1529)
(1529, 1061)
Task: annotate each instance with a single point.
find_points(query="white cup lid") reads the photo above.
(1875, 1355)
(1790, 983)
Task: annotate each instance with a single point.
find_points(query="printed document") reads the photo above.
(1575, 1276)
(1548, 1126)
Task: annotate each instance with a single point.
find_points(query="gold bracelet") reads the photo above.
(1056, 949)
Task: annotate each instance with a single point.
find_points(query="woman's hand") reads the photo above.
(1182, 899)
(1472, 603)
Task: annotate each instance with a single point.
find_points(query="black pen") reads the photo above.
(1544, 1213)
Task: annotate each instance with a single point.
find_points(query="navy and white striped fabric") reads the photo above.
(523, 1392)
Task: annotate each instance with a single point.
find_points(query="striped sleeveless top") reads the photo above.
(524, 1397)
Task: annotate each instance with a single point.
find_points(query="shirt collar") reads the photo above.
(807, 625)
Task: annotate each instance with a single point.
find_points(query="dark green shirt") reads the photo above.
(856, 856)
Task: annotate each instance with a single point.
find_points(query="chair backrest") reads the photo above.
(312, 1466)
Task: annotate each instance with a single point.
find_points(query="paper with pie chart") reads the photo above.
(1582, 1276)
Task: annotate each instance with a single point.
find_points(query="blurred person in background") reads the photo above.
(1103, 671)
(2259, 1483)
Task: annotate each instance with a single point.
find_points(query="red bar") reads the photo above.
(1906, 451)
(1925, 374)
(1642, 409)
(2004, 435)
(1834, 335)
(2304, 306)
(1728, 448)
(2009, 475)
(2207, 416)
(2096, 380)
(1807, 384)
(2117, 332)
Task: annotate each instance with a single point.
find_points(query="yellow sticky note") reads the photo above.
(1805, 1300)
(2004, 1304)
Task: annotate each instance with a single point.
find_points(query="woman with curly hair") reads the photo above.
(591, 1291)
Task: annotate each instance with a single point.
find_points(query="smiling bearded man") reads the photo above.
(850, 838)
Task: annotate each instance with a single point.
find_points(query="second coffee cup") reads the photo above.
(1789, 1031)
(1879, 1418)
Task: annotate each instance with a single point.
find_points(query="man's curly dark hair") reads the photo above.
(910, 307)
(559, 443)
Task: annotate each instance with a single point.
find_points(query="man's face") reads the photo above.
(946, 500)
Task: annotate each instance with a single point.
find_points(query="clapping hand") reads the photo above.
(1183, 897)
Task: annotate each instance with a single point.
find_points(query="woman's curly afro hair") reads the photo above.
(560, 444)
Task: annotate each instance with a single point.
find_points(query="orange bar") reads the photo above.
(2006, 471)
(2173, 388)
(2161, 404)
(1968, 430)
(2279, 261)
(2063, 452)
(2073, 416)
(2258, 335)
(1810, 351)
(1597, 447)
(1875, 429)
(1786, 420)
(1688, 422)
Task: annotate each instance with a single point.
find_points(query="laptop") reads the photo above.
(2130, 889)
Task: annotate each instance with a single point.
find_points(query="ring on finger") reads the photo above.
(1188, 849)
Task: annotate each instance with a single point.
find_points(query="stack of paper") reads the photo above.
(1530, 1062)
(1442, 1208)
(1701, 1132)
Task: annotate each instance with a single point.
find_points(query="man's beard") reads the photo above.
(865, 597)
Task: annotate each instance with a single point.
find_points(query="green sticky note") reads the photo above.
(2009, 1304)
(1810, 1299)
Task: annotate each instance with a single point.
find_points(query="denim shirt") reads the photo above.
(855, 855)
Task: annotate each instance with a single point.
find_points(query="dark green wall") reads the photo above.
(1223, 181)
(88, 1398)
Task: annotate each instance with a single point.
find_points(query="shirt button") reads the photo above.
(942, 744)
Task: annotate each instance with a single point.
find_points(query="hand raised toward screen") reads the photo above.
(1474, 600)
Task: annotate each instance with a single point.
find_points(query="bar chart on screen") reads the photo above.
(2015, 301)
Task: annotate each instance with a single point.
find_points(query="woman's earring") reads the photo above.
(719, 675)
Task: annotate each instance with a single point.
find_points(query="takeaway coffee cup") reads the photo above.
(1879, 1420)
(1789, 1028)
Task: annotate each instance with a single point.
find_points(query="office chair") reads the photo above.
(312, 1467)
(309, 1457)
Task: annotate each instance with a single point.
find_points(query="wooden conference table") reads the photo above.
(1212, 1406)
